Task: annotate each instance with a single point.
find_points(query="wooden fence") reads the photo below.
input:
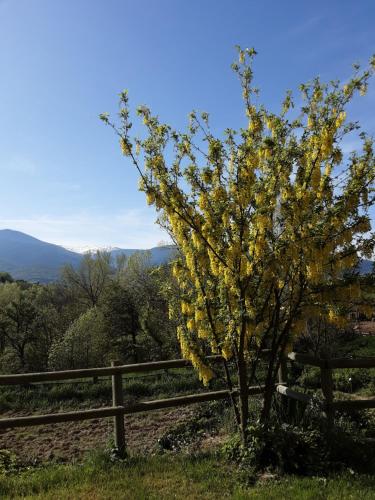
(326, 379)
(118, 409)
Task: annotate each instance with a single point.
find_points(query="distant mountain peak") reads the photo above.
(31, 259)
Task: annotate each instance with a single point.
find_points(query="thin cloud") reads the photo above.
(64, 186)
(127, 229)
(19, 164)
(306, 26)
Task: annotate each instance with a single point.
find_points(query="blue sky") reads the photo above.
(62, 176)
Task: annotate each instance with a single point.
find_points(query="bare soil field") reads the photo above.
(72, 440)
(366, 327)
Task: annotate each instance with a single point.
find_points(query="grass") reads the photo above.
(362, 346)
(169, 476)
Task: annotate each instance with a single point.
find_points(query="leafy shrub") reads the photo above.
(310, 378)
(352, 379)
(205, 421)
(8, 462)
(285, 448)
(344, 379)
(84, 345)
(303, 451)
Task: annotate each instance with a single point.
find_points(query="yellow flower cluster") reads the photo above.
(125, 147)
(336, 319)
(205, 372)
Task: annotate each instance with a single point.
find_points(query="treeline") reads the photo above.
(101, 311)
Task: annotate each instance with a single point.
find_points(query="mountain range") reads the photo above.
(27, 258)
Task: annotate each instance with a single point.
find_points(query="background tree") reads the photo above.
(27, 327)
(85, 344)
(91, 277)
(145, 284)
(5, 278)
(266, 221)
(36, 320)
(67, 301)
(122, 322)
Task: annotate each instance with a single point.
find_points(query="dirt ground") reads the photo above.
(366, 327)
(73, 440)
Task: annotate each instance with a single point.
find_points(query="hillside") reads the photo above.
(158, 255)
(30, 259)
(366, 266)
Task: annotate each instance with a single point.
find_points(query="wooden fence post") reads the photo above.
(283, 371)
(288, 405)
(327, 388)
(118, 420)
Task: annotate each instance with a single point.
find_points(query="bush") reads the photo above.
(8, 462)
(352, 379)
(205, 421)
(310, 378)
(84, 345)
(302, 451)
(344, 379)
(285, 448)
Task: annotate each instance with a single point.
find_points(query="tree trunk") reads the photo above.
(269, 391)
(135, 350)
(232, 397)
(244, 397)
(267, 404)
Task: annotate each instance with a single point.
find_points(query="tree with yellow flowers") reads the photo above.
(266, 221)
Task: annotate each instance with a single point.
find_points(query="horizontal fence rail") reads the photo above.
(290, 393)
(351, 363)
(354, 404)
(28, 378)
(306, 359)
(55, 418)
(113, 411)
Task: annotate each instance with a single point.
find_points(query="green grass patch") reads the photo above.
(171, 476)
(362, 346)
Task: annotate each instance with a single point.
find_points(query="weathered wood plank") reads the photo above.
(186, 400)
(354, 404)
(121, 410)
(118, 420)
(55, 418)
(305, 359)
(290, 393)
(28, 378)
(351, 362)
(283, 371)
